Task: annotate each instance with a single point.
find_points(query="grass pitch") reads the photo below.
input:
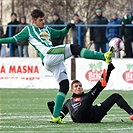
(25, 110)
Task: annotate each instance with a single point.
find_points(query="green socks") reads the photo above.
(88, 54)
(60, 97)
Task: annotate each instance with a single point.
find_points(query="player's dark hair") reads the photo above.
(73, 82)
(37, 13)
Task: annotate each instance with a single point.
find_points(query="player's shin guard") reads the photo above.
(88, 54)
(85, 53)
(60, 97)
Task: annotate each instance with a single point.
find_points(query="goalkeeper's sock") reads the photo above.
(88, 54)
(60, 97)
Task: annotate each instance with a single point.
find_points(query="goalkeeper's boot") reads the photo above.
(131, 117)
(103, 79)
(57, 120)
(108, 55)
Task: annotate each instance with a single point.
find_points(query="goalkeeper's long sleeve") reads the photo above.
(94, 92)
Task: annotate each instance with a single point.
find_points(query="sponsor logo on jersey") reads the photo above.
(75, 105)
(77, 99)
(44, 35)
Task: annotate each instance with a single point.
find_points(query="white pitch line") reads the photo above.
(28, 127)
(64, 131)
(23, 117)
(45, 117)
(41, 126)
(117, 129)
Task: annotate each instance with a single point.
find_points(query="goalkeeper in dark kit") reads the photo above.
(80, 106)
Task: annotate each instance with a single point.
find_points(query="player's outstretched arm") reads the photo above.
(105, 76)
(16, 38)
(7, 40)
(110, 68)
(101, 84)
(61, 33)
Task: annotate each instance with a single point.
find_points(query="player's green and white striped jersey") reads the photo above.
(40, 39)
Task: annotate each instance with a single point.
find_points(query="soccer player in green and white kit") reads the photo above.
(39, 37)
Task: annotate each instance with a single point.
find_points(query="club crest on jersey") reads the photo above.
(77, 99)
(44, 35)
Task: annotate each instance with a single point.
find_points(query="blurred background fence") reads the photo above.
(67, 39)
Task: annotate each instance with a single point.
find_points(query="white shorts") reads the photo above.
(54, 61)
